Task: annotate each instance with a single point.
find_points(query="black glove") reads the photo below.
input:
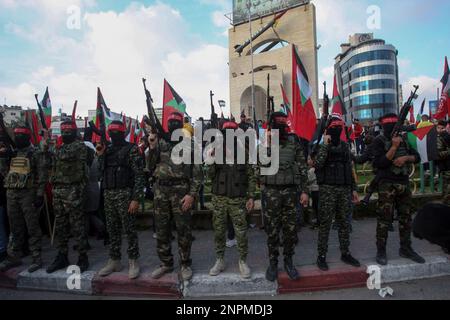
(39, 202)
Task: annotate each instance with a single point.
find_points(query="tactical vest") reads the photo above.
(337, 170)
(230, 181)
(166, 170)
(68, 168)
(402, 151)
(118, 173)
(289, 172)
(20, 175)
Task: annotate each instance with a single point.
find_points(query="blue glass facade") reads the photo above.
(369, 80)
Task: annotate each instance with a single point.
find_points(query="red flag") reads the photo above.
(444, 105)
(74, 111)
(305, 121)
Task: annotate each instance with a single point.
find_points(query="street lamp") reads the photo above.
(222, 104)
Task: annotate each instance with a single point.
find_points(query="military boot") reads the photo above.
(162, 270)
(381, 256)
(133, 270)
(83, 263)
(36, 265)
(408, 253)
(290, 269)
(218, 268)
(350, 260)
(244, 269)
(272, 271)
(111, 267)
(61, 262)
(9, 263)
(322, 263)
(186, 273)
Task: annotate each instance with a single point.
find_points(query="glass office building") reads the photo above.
(367, 72)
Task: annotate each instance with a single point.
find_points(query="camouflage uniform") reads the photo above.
(69, 178)
(393, 190)
(173, 183)
(444, 167)
(123, 181)
(281, 195)
(233, 185)
(25, 181)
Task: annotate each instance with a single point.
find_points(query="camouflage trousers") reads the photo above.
(224, 206)
(391, 196)
(280, 216)
(23, 220)
(68, 205)
(446, 186)
(334, 202)
(118, 219)
(167, 209)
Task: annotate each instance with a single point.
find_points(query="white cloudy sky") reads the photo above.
(120, 41)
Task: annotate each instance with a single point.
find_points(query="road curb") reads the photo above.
(56, 282)
(405, 270)
(8, 279)
(145, 286)
(312, 279)
(228, 284)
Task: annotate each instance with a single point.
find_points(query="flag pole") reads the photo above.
(249, 6)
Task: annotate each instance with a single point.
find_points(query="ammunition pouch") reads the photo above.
(19, 176)
(230, 181)
(118, 173)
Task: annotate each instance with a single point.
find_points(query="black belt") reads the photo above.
(171, 183)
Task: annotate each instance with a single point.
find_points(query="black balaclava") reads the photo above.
(175, 122)
(225, 127)
(116, 131)
(278, 121)
(335, 131)
(388, 123)
(68, 132)
(22, 137)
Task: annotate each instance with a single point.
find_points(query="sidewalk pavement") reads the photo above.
(229, 283)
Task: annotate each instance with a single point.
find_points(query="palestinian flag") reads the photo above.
(287, 109)
(337, 106)
(304, 116)
(172, 103)
(424, 141)
(104, 115)
(338, 110)
(47, 108)
(444, 105)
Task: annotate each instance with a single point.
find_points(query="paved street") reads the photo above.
(429, 289)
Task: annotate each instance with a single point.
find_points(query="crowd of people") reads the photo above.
(103, 185)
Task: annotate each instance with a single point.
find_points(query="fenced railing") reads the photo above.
(423, 181)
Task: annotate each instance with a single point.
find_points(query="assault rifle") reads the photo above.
(398, 129)
(152, 120)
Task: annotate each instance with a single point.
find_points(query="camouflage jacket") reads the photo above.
(70, 164)
(39, 167)
(136, 163)
(159, 162)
